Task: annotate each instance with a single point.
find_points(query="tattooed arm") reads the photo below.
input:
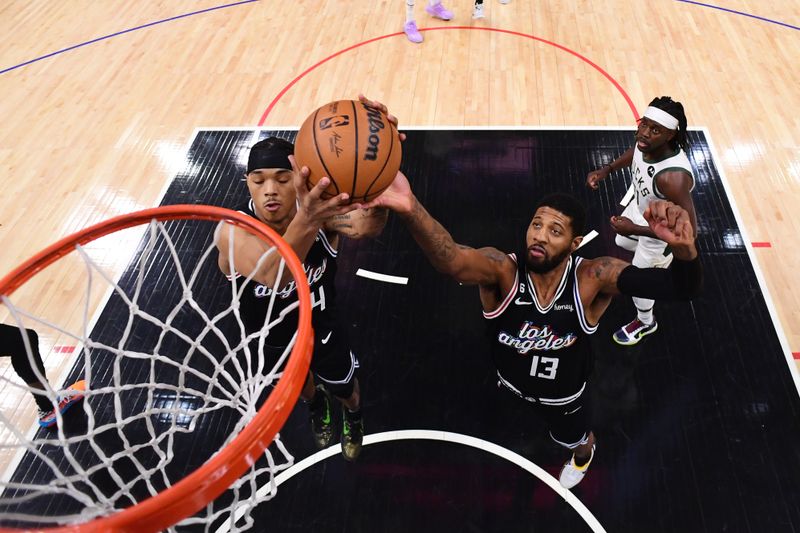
(358, 224)
(488, 267)
(470, 266)
(604, 277)
(610, 276)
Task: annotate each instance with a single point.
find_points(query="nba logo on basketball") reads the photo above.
(334, 121)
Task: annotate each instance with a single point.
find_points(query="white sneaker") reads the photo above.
(571, 474)
(477, 11)
(505, 1)
(634, 331)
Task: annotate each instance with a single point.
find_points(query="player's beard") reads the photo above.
(545, 264)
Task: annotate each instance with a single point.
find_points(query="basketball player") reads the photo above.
(434, 8)
(541, 304)
(660, 170)
(477, 9)
(313, 227)
(12, 343)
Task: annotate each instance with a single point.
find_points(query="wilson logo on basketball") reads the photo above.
(357, 147)
(376, 124)
(333, 122)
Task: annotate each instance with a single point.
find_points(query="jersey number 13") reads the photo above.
(546, 367)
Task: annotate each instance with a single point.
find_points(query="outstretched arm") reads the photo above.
(483, 266)
(594, 177)
(358, 224)
(681, 281)
(467, 265)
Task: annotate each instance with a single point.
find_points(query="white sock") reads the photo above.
(645, 316)
(433, 2)
(409, 11)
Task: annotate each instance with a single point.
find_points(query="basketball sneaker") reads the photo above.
(352, 435)
(505, 1)
(439, 11)
(73, 395)
(632, 332)
(321, 422)
(411, 31)
(477, 11)
(572, 474)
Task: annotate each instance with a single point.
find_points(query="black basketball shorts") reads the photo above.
(333, 362)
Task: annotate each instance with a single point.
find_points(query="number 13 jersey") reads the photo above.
(542, 353)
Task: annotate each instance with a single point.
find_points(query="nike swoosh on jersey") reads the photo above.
(520, 301)
(328, 336)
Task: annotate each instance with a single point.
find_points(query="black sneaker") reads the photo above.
(352, 436)
(321, 420)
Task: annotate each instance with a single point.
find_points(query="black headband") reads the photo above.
(263, 157)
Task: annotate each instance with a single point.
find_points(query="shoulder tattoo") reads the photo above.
(606, 268)
(495, 255)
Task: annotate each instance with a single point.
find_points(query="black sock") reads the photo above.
(42, 402)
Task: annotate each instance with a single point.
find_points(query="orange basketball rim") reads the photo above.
(210, 480)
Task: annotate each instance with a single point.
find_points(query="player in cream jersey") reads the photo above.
(660, 171)
(646, 174)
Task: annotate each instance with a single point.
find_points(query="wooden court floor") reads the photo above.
(701, 414)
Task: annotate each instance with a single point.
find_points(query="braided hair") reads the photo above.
(665, 103)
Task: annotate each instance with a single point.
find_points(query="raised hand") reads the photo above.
(315, 209)
(398, 197)
(623, 226)
(671, 224)
(594, 177)
(381, 107)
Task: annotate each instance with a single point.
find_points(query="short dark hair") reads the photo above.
(665, 103)
(568, 205)
(272, 152)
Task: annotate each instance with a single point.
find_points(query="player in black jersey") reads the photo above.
(312, 226)
(541, 304)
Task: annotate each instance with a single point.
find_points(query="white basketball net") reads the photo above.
(172, 368)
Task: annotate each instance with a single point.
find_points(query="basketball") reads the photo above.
(354, 145)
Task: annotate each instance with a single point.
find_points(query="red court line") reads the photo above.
(583, 58)
(63, 349)
(761, 245)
